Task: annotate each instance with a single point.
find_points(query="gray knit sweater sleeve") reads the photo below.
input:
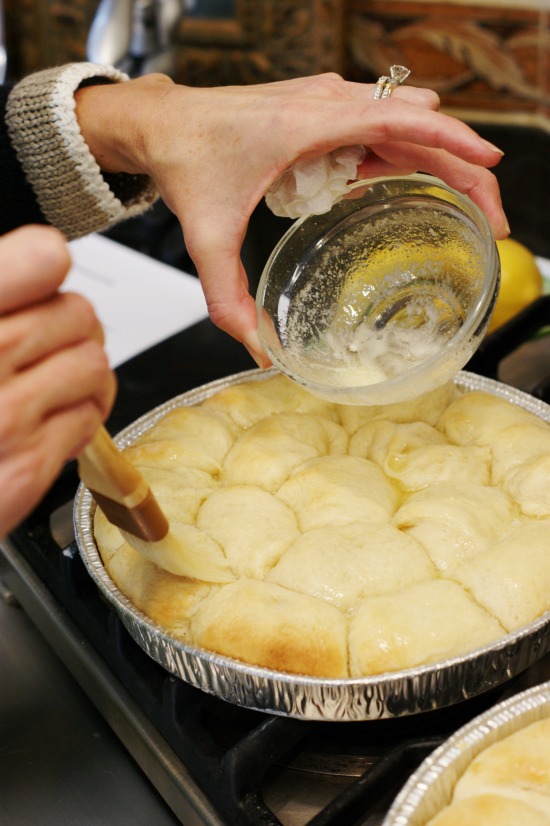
(71, 191)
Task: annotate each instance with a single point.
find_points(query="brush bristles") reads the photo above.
(184, 554)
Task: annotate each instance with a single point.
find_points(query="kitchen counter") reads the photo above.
(60, 762)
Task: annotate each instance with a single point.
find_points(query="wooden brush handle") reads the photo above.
(103, 468)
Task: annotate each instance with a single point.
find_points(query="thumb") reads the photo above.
(225, 286)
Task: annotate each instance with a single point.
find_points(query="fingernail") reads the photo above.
(251, 341)
(260, 359)
(493, 147)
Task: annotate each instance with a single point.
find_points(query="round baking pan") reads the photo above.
(430, 788)
(394, 694)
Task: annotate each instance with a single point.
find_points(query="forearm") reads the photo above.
(51, 175)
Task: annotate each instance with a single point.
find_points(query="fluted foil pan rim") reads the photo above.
(388, 695)
(429, 789)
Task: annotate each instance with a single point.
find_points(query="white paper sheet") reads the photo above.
(139, 301)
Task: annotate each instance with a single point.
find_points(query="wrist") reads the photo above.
(115, 121)
(55, 157)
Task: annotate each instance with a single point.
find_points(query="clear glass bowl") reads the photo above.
(384, 297)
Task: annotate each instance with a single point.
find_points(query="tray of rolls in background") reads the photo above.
(493, 770)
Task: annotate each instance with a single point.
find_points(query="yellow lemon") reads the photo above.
(520, 281)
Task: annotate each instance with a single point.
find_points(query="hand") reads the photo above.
(213, 154)
(55, 383)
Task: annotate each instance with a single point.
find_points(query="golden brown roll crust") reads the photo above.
(263, 623)
(351, 538)
(167, 599)
(518, 766)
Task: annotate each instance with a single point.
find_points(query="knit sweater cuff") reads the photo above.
(70, 189)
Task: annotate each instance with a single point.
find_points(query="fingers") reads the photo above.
(25, 474)
(331, 86)
(238, 140)
(56, 386)
(36, 257)
(43, 331)
(396, 120)
(420, 97)
(376, 167)
(323, 113)
(38, 331)
(225, 285)
(477, 182)
(48, 413)
(69, 377)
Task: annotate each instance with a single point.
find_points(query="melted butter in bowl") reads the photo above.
(384, 297)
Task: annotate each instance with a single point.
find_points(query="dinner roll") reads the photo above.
(268, 625)
(338, 489)
(417, 455)
(455, 522)
(267, 453)
(342, 564)
(264, 523)
(489, 810)
(417, 626)
(511, 579)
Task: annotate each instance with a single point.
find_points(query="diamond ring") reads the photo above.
(385, 85)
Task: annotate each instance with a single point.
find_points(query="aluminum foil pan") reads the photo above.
(430, 788)
(382, 696)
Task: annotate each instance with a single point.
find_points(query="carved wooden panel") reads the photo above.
(267, 40)
(42, 33)
(477, 57)
(482, 58)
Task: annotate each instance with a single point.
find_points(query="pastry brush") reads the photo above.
(127, 501)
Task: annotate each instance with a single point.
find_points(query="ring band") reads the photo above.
(385, 85)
